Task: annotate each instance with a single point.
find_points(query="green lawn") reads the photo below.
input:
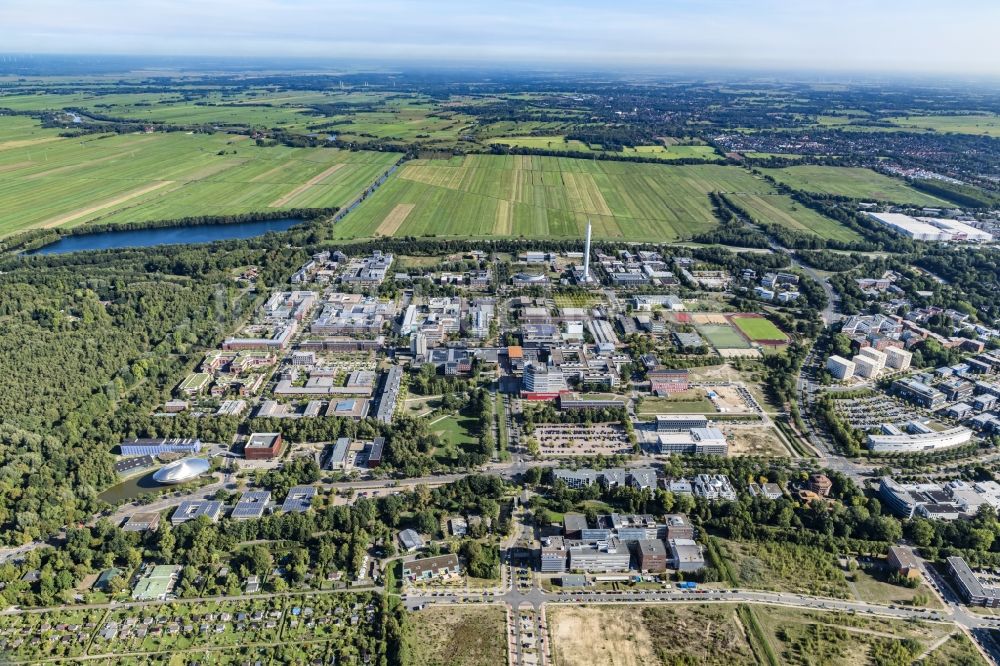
(722, 336)
(853, 182)
(758, 328)
(545, 197)
(783, 211)
(135, 177)
(693, 401)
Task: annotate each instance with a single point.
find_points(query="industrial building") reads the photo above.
(686, 555)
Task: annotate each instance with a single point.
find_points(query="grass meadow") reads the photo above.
(856, 182)
(137, 177)
(786, 212)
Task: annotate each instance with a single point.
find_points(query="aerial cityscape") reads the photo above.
(569, 335)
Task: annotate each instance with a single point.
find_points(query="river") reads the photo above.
(205, 233)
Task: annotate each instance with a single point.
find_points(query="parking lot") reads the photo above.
(581, 439)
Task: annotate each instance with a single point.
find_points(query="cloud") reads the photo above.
(886, 35)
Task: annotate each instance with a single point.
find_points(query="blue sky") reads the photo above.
(958, 37)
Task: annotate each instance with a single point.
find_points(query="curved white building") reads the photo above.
(919, 442)
(181, 471)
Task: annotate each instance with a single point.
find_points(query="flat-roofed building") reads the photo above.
(574, 525)
(298, 499)
(338, 454)
(679, 422)
(651, 555)
(679, 526)
(252, 505)
(840, 367)
(605, 556)
(155, 447)
(193, 509)
(427, 568)
(375, 452)
(667, 381)
(553, 555)
(263, 446)
(976, 590)
(918, 393)
(878, 357)
(865, 367)
(686, 555)
(142, 521)
(898, 359)
(923, 441)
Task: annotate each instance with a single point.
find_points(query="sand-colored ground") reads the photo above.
(504, 225)
(315, 180)
(21, 143)
(755, 440)
(750, 352)
(708, 318)
(65, 219)
(595, 635)
(394, 220)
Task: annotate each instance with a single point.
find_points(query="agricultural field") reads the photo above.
(562, 144)
(983, 124)
(545, 197)
(648, 635)
(138, 177)
(456, 637)
(855, 182)
(758, 329)
(782, 210)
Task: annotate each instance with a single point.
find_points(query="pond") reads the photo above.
(204, 233)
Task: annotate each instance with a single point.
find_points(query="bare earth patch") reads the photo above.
(599, 635)
(304, 187)
(394, 220)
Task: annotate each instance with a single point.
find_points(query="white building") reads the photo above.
(918, 442)
(877, 357)
(840, 367)
(897, 358)
(865, 367)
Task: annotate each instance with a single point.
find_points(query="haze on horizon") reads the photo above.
(878, 36)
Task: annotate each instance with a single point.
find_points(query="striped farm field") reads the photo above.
(548, 197)
(138, 177)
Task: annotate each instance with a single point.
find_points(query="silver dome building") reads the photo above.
(181, 471)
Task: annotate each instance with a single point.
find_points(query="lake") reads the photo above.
(204, 233)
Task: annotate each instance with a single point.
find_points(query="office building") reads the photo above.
(840, 367)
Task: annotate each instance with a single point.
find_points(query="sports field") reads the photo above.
(722, 336)
(547, 197)
(758, 329)
(136, 177)
(786, 212)
(855, 182)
